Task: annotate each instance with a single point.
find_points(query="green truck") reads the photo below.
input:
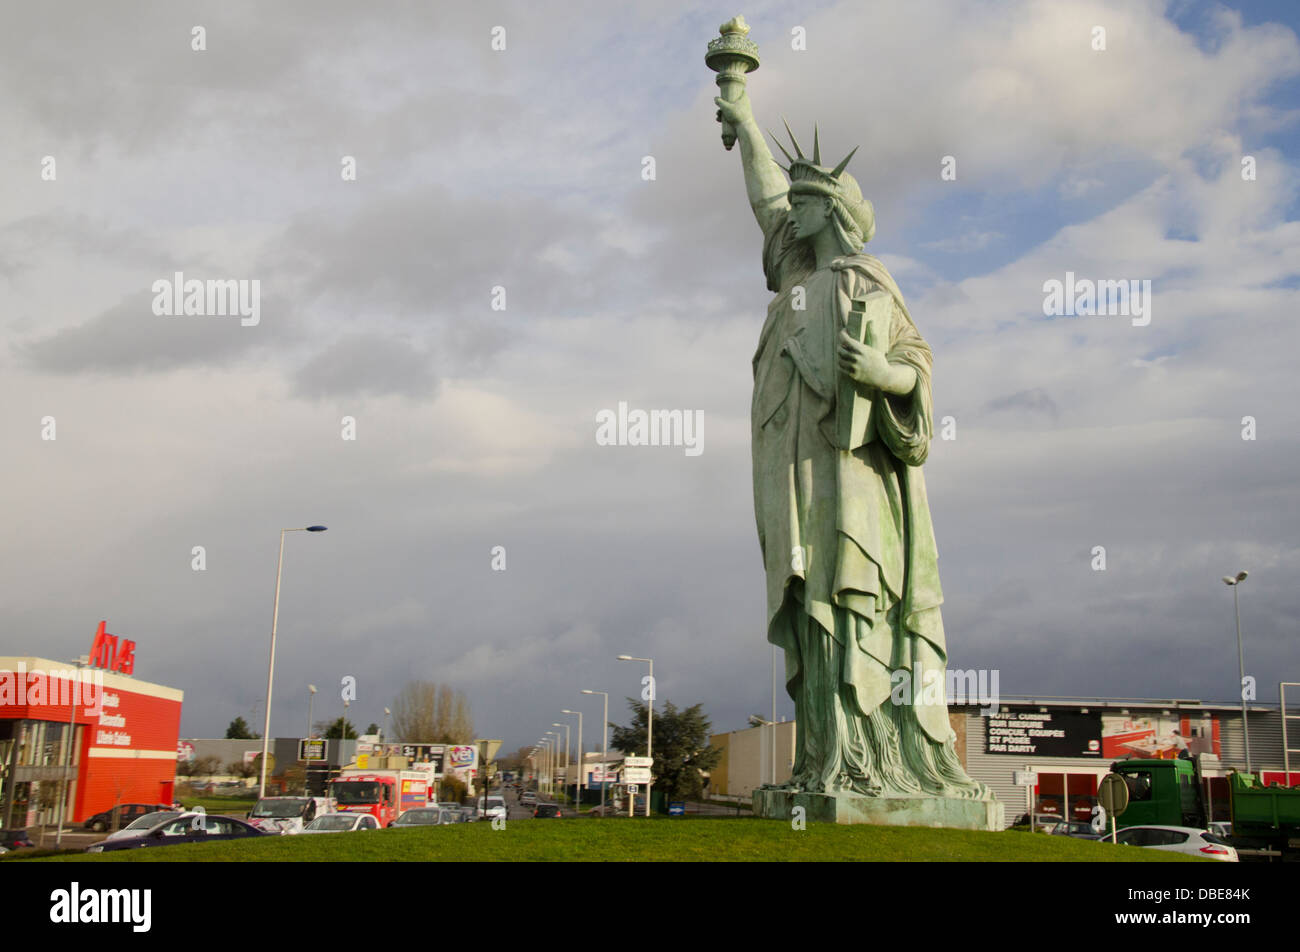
(1265, 820)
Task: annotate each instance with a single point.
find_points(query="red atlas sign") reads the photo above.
(106, 652)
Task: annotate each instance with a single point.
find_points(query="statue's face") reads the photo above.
(810, 214)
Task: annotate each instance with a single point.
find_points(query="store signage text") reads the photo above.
(108, 653)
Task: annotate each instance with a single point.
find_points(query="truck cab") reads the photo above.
(366, 793)
(1161, 793)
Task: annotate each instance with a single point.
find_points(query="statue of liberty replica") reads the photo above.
(841, 425)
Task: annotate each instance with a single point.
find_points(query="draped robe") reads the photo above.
(853, 589)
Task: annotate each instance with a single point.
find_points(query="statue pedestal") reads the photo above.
(882, 811)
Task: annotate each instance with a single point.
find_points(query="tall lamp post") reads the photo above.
(604, 749)
(554, 740)
(1235, 583)
(388, 717)
(311, 702)
(270, 668)
(581, 759)
(649, 724)
(565, 766)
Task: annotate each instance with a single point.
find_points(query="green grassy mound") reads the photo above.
(661, 839)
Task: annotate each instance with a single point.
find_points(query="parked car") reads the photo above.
(15, 839)
(547, 811)
(1178, 839)
(341, 823)
(1221, 828)
(425, 816)
(121, 815)
(145, 823)
(1079, 829)
(187, 828)
(528, 798)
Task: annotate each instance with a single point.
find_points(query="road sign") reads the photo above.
(638, 761)
(677, 808)
(636, 774)
(632, 789)
(1113, 795)
(1026, 778)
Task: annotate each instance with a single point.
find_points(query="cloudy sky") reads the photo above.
(475, 427)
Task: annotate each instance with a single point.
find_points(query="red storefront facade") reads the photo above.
(123, 740)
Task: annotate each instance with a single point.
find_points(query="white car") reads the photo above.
(496, 807)
(341, 823)
(1177, 839)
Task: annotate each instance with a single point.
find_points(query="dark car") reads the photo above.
(13, 839)
(195, 828)
(1078, 829)
(547, 811)
(425, 816)
(121, 815)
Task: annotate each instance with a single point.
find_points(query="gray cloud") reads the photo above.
(367, 364)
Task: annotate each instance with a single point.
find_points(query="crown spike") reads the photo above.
(817, 149)
(781, 147)
(793, 141)
(835, 173)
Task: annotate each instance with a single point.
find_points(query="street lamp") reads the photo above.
(388, 716)
(581, 758)
(554, 741)
(311, 701)
(565, 768)
(649, 724)
(270, 668)
(604, 750)
(1235, 583)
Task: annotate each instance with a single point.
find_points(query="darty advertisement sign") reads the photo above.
(1044, 733)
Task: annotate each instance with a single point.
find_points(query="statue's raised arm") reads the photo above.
(764, 182)
(732, 55)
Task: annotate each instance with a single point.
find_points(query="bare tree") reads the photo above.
(429, 713)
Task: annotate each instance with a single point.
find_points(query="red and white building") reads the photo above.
(123, 734)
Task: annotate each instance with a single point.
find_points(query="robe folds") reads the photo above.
(853, 592)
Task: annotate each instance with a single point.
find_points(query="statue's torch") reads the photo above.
(731, 56)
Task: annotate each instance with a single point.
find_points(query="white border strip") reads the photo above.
(126, 753)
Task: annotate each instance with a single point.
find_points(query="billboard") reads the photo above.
(1158, 736)
(419, 754)
(462, 761)
(1029, 731)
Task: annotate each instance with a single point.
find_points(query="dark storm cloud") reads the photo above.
(129, 338)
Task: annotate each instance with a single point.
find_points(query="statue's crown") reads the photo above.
(809, 175)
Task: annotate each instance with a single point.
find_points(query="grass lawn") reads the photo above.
(642, 840)
(221, 806)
